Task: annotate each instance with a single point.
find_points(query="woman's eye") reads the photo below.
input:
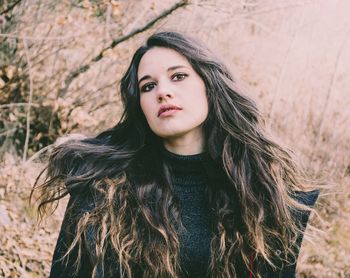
(179, 76)
(147, 87)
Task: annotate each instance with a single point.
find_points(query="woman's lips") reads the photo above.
(167, 107)
(168, 113)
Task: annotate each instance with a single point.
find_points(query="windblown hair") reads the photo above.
(134, 214)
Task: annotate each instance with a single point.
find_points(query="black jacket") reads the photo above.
(82, 203)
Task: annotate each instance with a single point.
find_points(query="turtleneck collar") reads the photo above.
(201, 164)
(191, 169)
(185, 164)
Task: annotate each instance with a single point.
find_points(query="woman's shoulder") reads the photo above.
(307, 198)
(81, 201)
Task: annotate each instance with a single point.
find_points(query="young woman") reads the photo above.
(187, 184)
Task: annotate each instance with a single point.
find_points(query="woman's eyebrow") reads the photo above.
(176, 67)
(144, 77)
(169, 69)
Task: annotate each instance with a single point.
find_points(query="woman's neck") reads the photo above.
(185, 145)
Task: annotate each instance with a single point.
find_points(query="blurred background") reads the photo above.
(61, 63)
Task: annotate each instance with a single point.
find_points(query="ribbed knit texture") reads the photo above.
(190, 183)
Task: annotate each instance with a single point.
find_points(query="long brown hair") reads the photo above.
(134, 213)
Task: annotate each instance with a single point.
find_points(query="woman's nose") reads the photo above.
(164, 91)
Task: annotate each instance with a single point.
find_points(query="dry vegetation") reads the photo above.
(60, 62)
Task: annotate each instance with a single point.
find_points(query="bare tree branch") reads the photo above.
(10, 7)
(25, 150)
(18, 104)
(114, 43)
(43, 38)
(8, 131)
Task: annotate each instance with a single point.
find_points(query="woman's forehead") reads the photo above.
(160, 59)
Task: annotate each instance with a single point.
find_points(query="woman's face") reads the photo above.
(168, 81)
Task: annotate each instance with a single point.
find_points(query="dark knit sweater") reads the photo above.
(190, 181)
